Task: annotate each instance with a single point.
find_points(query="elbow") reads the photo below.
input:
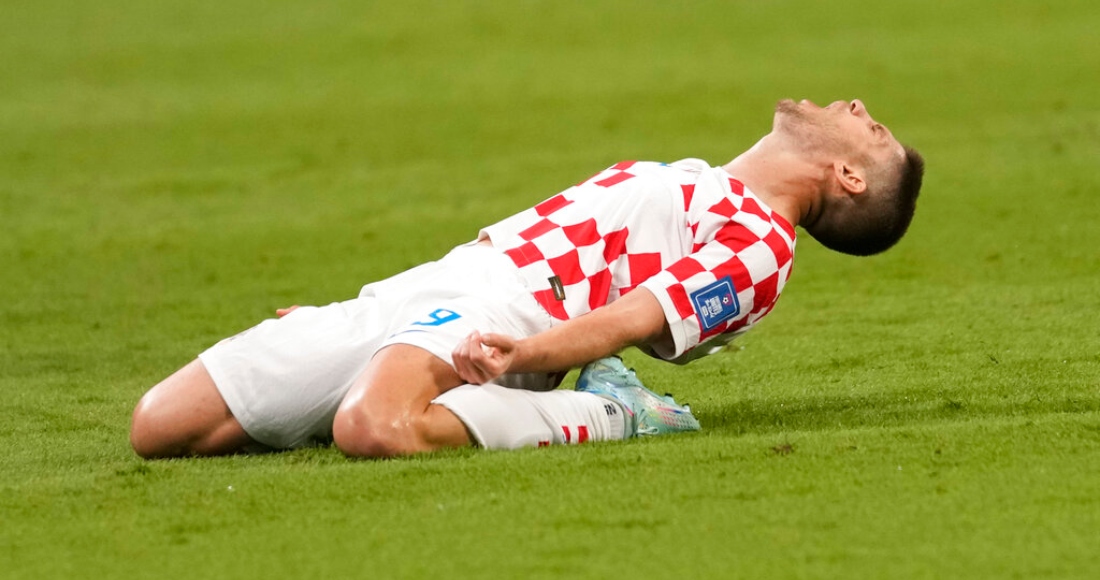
(644, 320)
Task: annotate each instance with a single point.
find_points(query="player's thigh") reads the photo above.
(403, 377)
(185, 415)
(388, 410)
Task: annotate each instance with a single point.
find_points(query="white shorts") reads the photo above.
(284, 379)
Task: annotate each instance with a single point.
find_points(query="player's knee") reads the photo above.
(357, 433)
(145, 438)
(153, 435)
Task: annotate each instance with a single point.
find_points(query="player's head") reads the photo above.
(871, 181)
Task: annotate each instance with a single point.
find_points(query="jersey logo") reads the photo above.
(716, 303)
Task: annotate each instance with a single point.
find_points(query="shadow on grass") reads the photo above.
(885, 410)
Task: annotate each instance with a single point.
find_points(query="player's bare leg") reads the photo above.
(389, 411)
(186, 415)
(410, 401)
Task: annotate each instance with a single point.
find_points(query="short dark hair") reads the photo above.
(872, 222)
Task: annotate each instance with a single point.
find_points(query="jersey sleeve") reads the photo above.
(720, 289)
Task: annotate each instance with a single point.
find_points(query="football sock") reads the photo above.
(502, 418)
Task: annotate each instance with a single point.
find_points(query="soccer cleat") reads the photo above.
(647, 412)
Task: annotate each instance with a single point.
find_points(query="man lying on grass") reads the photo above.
(675, 259)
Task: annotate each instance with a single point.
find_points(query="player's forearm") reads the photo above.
(632, 320)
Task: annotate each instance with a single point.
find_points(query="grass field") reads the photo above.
(170, 173)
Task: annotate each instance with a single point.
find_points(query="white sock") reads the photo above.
(501, 418)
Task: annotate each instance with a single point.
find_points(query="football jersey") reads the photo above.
(715, 256)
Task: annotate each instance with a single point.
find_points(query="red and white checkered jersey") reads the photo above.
(715, 256)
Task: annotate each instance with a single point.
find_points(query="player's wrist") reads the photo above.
(531, 355)
(519, 361)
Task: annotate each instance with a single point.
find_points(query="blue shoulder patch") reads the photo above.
(716, 303)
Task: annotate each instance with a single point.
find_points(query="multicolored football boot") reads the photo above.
(647, 413)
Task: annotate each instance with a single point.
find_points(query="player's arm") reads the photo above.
(634, 319)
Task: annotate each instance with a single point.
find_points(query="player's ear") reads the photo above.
(849, 177)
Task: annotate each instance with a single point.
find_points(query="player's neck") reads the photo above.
(781, 179)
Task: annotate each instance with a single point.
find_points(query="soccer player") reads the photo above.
(675, 259)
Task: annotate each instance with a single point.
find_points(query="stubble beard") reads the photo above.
(806, 132)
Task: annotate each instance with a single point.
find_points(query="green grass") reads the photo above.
(169, 175)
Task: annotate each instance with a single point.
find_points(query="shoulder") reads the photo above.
(688, 165)
(691, 164)
(683, 170)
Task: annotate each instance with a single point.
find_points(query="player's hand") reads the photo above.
(281, 312)
(480, 358)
